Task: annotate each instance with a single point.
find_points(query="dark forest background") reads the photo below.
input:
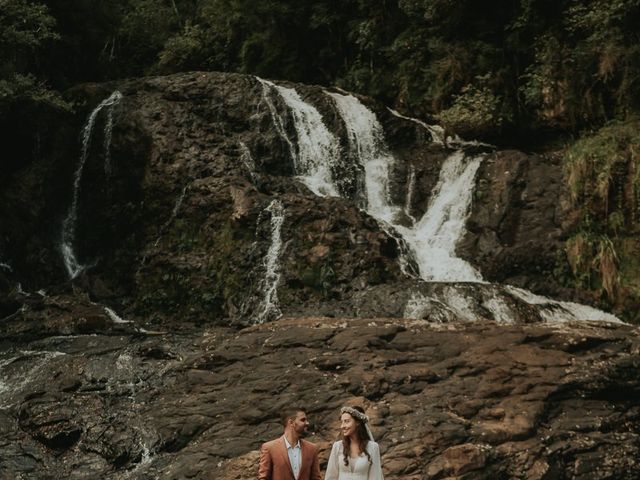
(559, 76)
(493, 69)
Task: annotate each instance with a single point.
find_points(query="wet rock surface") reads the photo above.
(474, 401)
(179, 225)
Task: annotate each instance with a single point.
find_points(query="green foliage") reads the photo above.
(602, 172)
(19, 89)
(586, 71)
(475, 112)
(604, 186)
(560, 64)
(25, 27)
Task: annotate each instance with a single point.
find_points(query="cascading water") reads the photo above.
(16, 374)
(71, 261)
(552, 310)
(163, 228)
(432, 240)
(115, 318)
(317, 148)
(438, 134)
(366, 141)
(268, 308)
(434, 237)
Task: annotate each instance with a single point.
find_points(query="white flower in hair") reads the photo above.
(355, 414)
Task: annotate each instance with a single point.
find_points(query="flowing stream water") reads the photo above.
(315, 150)
(69, 256)
(433, 238)
(269, 309)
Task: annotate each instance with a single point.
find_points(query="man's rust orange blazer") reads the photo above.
(275, 465)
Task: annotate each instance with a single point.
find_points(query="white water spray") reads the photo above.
(269, 309)
(366, 140)
(434, 238)
(317, 148)
(115, 318)
(174, 213)
(555, 311)
(71, 262)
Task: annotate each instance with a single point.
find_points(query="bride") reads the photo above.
(356, 456)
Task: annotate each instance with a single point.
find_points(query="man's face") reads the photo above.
(300, 424)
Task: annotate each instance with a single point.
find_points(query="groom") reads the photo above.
(290, 457)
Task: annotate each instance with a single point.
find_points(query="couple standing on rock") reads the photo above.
(356, 456)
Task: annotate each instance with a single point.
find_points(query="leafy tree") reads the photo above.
(25, 27)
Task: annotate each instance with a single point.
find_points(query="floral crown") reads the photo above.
(355, 414)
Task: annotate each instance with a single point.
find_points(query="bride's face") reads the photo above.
(347, 425)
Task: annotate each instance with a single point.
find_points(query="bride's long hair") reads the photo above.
(363, 439)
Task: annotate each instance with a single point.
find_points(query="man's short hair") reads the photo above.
(290, 412)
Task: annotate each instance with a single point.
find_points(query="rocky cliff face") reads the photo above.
(201, 221)
(181, 224)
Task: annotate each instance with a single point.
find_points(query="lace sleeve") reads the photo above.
(333, 470)
(375, 471)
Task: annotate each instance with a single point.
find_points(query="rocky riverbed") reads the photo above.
(97, 399)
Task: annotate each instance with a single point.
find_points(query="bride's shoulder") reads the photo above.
(337, 445)
(372, 446)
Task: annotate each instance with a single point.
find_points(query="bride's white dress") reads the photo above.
(359, 468)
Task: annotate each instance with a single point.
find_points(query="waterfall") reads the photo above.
(317, 148)
(366, 141)
(432, 240)
(555, 311)
(163, 228)
(71, 262)
(6, 266)
(115, 318)
(439, 136)
(269, 308)
(278, 122)
(434, 237)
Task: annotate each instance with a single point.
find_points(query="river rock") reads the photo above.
(451, 400)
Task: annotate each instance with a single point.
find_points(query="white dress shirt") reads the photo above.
(295, 456)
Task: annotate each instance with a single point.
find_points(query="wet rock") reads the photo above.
(453, 400)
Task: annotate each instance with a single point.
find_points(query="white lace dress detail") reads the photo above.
(359, 468)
